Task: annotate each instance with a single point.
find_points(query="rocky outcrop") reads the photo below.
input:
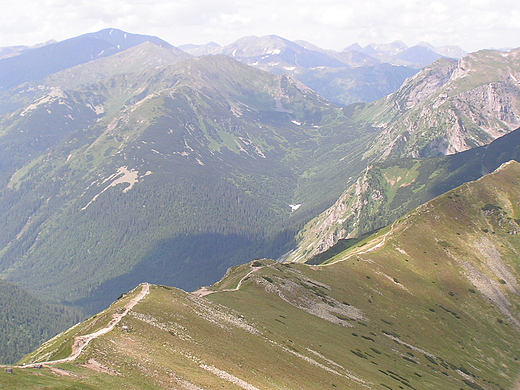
(449, 107)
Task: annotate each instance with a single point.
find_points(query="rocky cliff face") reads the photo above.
(351, 215)
(449, 107)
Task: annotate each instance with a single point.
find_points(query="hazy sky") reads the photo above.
(330, 24)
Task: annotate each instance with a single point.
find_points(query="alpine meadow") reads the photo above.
(262, 215)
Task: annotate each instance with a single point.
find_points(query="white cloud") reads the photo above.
(472, 24)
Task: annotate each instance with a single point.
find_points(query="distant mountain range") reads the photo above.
(270, 48)
(124, 159)
(351, 75)
(36, 63)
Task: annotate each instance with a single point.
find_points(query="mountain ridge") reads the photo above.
(476, 106)
(146, 165)
(347, 324)
(387, 190)
(42, 61)
(447, 108)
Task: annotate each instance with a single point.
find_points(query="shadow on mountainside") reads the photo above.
(475, 163)
(185, 262)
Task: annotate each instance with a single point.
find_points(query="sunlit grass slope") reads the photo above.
(430, 302)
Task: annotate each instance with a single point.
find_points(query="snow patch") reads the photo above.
(123, 175)
(98, 109)
(236, 111)
(295, 207)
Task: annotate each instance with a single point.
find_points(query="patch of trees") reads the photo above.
(26, 322)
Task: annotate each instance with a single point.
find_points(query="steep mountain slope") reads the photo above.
(430, 302)
(389, 189)
(449, 107)
(37, 63)
(26, 322)
(146, 55)
(165, 175)
(446, 108)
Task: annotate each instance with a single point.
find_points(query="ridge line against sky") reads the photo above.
(329, 24)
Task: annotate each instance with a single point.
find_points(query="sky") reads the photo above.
(329, 24)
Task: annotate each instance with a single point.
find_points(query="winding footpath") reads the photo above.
(80, 342)
(203, 291)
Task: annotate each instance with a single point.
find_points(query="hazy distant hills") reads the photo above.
(397, 53)
(272, 48)
(429, 302)
(354, 74)
(312, 65)
(11, 51)
(36, 63)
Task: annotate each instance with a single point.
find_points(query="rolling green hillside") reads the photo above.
(429, 302)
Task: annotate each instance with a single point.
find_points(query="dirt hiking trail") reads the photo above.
(80, 342)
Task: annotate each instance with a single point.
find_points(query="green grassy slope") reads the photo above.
(429, 302)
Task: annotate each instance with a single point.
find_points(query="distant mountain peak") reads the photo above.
(40, 62)
(392, 48)
(124, 40)
(355, 46)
